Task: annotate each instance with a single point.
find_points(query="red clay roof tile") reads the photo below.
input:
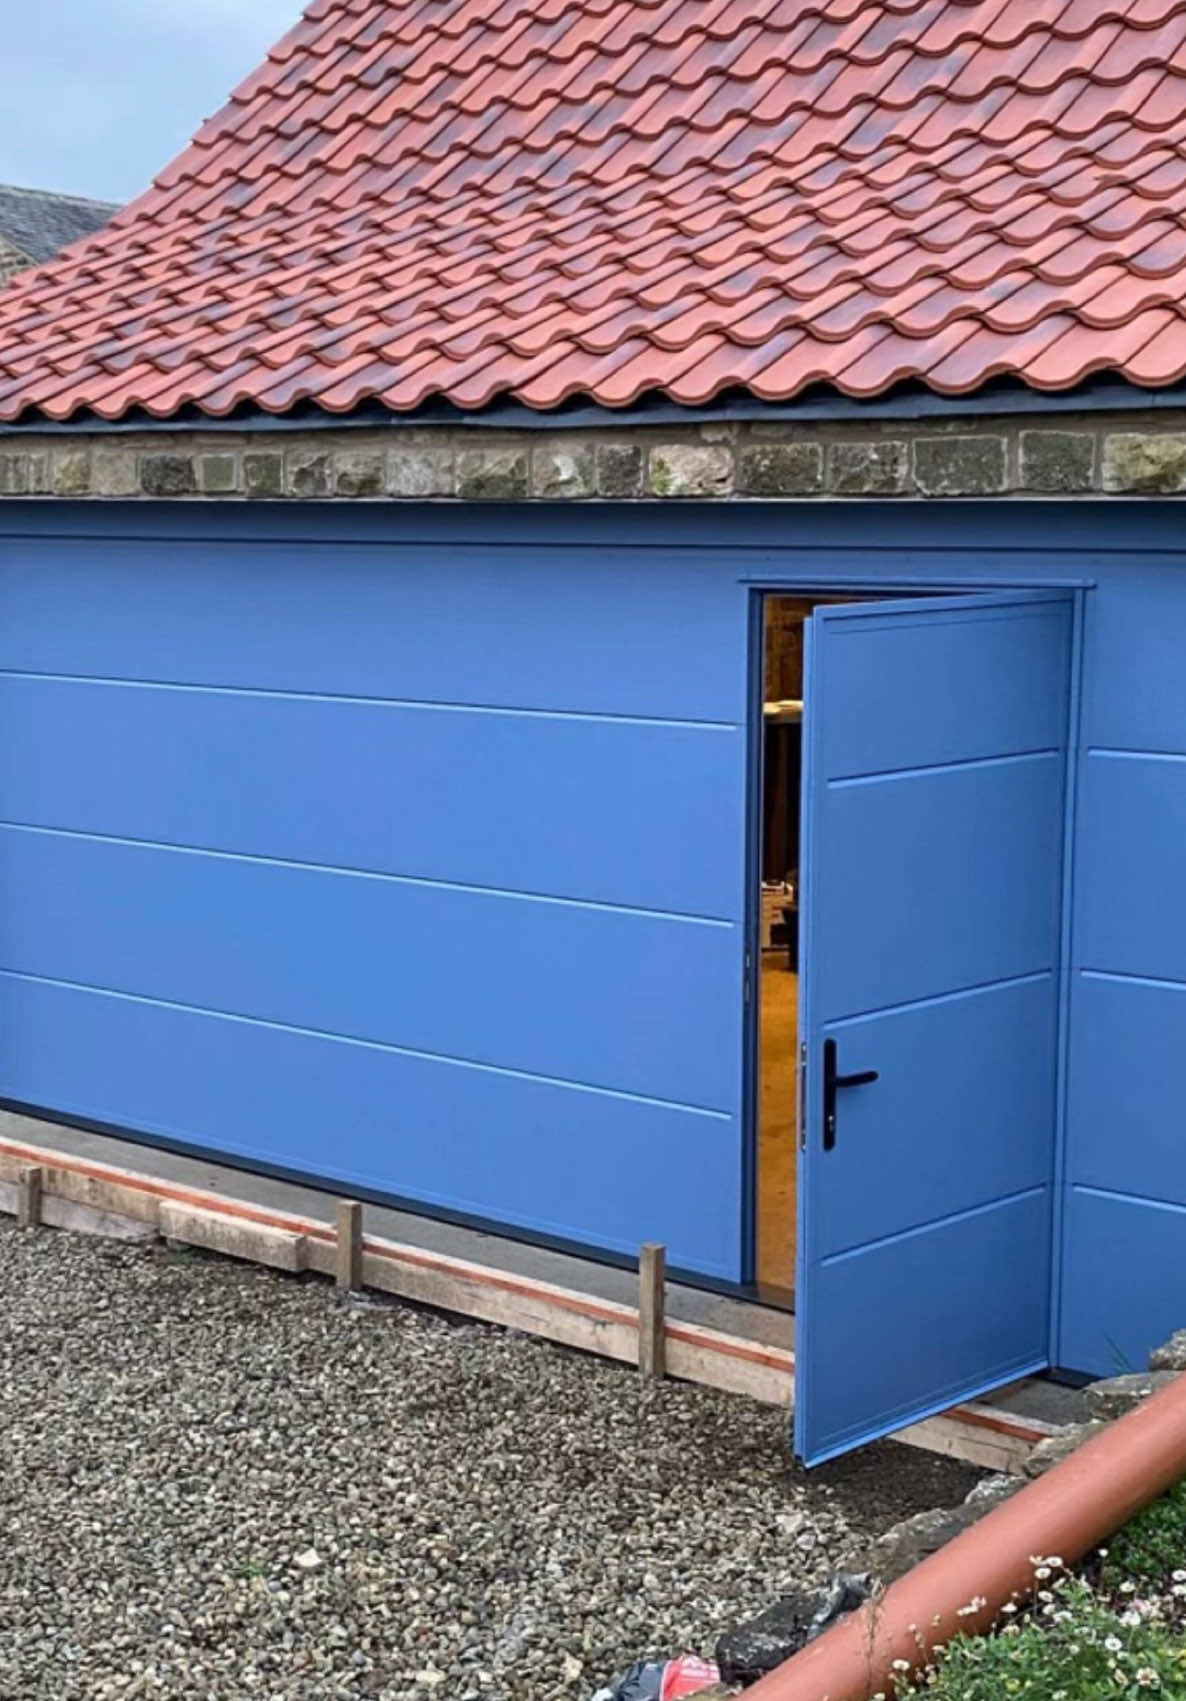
(546, 199)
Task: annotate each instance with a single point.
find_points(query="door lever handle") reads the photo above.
(832, 1081)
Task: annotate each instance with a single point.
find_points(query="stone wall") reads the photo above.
(1071, 455)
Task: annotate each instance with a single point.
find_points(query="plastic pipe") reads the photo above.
(1076, 1505)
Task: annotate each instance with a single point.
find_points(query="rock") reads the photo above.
(308, 474)
(751, 1650)
(263, 476)
(358, 473)
(757, 1647)
(1145, 463)
(564, 472)
(1057, 462)
(868, 469)
(619, 470)
(1059, 1446)
(684, 469)
(218, 475)
(1119, 1394)
(72, 472)
(960, 466)
(309, 1560)
(907, 1544)
(781, 469)
(991, 1492)
(418, 471)
(1171, 1355)
(167, 475)
(492, 475)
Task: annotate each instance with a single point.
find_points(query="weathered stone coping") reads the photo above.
(1089, 455)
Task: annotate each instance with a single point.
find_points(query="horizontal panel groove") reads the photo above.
(332, 870)
(976, 990)
(934, 1223)
(1120, 1198)
(876, 777)
(412, 705)
(447, 1061)
(1120, 978)
(1114, 753)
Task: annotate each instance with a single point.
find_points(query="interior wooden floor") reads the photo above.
(777, 1126)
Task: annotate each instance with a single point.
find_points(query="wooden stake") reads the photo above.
(349, 1249)
(28, 1196)
(652, 1338)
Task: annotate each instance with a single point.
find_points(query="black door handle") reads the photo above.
(832, 1081)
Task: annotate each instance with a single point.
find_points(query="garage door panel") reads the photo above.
(632, 1002)
(559, 805)
(577, 628)
(609, 1172)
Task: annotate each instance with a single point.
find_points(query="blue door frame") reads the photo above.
(885, 589)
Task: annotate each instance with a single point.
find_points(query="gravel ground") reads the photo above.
(218, 1482)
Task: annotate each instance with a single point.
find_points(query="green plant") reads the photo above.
(1071, 1647)
(1152, 1546)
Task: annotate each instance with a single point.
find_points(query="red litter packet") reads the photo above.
(687, 1676)
(662, 1680)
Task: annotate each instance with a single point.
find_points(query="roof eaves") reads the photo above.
(1102, 394)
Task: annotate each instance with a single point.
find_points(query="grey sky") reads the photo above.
(100, 94)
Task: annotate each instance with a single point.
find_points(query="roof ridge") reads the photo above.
(57, 195)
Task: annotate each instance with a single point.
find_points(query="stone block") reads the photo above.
(1116, 1395)
(360, 473)
(167, 475)
(781, 469)
(991, 1492)
(960, 466)
(263, 477)
(907, 1544)
(114, 473)
(71, 472)
(218, 475)
(1057, 463)
(492, 475)
(687, 469)
(419, 471)
(14, 475)
(1140, 463)
(307, 473)
(1060, 1446)
(619, 471)
(868, 469)
(560, 473)
(1171, 1355)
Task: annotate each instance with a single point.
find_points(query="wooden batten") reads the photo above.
(100, 1198)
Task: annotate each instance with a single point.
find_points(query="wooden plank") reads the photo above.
(78, 1192)
(221, 1231)
(28, 1196)
(348, 1271)
(652, 1280)
(952, 1435)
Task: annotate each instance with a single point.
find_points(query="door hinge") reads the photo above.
(749, 974)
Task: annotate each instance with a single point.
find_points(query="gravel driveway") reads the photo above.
(220, 1482)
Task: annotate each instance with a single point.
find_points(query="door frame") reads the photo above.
(772, 584)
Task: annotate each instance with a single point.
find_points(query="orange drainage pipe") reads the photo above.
(1076, 1505)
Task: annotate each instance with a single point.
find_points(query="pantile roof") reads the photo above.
(542, 199)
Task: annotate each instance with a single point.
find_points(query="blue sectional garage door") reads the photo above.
(413, 866)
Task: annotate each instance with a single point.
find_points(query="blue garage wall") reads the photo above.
(554, 820)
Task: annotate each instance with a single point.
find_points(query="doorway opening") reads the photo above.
(778, 1072)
